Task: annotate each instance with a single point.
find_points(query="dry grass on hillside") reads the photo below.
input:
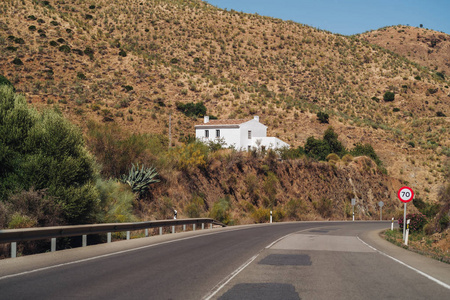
(129, 62)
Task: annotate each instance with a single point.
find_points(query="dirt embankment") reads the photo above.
(295, 189)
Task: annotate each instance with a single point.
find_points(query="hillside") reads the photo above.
(130, 62)
(423, 46)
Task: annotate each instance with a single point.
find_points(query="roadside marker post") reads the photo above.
(353, 206)
(270, 217)
(407, 232)
(392, 224)
(405, 194)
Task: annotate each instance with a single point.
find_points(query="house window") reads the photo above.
(217, 133)
(249, 134)
(206, 133)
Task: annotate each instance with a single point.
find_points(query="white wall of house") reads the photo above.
(230, 135)
(268, 143)
(242, 136)
(256, 130)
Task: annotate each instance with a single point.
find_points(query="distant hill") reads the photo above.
(423, 46)
(130, 62)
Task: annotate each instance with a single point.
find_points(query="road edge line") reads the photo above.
(443, 284)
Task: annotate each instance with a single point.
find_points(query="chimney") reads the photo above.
(256, 118)
(206, 119)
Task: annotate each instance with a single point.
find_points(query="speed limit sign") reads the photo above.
(405, 194)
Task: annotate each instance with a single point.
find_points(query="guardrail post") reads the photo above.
(203, 226)
(84, 240)
(184, 227)
(146, 232)
(128, 235)
(193, 227)
(13, 249)
(53, 245)
(160, 230)
(108, 237)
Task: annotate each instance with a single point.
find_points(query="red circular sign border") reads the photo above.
(408, 188)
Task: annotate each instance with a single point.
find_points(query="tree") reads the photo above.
(45, 151)
(332, 140)
(318, 149)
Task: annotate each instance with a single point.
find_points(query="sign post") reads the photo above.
(353, 205)
(405, 194)
(380, 204)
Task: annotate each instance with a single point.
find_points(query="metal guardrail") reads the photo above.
(29, 234)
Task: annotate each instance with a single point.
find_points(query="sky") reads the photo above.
(349, 17)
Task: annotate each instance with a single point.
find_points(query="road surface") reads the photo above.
(299, 260)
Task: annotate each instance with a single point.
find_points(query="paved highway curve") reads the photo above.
(299, 260)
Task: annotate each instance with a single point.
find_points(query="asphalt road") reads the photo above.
(305, 260)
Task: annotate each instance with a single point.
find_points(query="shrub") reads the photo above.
(88, 17)
(32, 17)
(40, 21)
(122, 53)
(53, 43)
(17, 61)
(116, 202)
(389, 96)
(322, 117)
(140, 179)
(64, 49)
(396, 109)
(193, 155)
(19, 41)
(220, 211)
(80, 75)
(192, 109)
(5, 81)
(127, 88)
(261, 215)
(366, 150)
(417, 222)
(32, 28)
(54, 23)
(196, 207)
(440, 114)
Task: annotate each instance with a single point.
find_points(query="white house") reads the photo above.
(240, 134)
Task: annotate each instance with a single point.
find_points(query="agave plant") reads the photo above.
(140, 179)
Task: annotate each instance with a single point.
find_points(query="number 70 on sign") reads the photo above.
(405, 194)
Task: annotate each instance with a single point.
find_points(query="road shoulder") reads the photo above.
(429, 266)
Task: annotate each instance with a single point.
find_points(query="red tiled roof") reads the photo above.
(226, 122)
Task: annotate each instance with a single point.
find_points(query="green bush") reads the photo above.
(122, 53)
(192, 109)
(323, 117)
(65, 49)
(221, 211)
(417, 222)
(116, 202)
(366, 150)
(17, 61)
(5, 81)
(389, 96)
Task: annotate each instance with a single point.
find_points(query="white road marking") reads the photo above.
(408, 266)
(227, 279)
